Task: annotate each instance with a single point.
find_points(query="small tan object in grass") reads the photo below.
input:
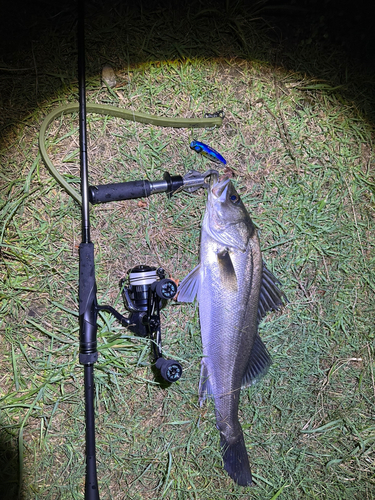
(108, 76)
(177, 282)
(228, 173)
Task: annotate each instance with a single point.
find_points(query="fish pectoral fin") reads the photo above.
(259, 362)
(189, 286)
(205, 388)
(227, 272)
(271, 298)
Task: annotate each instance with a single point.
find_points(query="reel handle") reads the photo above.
(170, 369)
(164, 288)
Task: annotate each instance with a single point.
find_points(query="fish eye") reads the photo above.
(235, 199)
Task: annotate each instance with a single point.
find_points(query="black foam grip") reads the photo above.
(88, 311)
(87, 287)
(120, 191)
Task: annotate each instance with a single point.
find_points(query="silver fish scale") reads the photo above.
(228, 326)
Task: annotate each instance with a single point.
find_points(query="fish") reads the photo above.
(235, 290)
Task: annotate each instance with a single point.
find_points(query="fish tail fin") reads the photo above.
(236, 461)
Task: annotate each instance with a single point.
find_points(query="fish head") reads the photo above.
(226, 219)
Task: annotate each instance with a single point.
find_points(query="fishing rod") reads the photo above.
(88, 310)
(147, 290)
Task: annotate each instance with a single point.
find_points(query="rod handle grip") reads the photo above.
(119, 191)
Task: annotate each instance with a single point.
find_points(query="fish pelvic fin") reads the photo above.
(271, 298)
(227, 273)
(259, 362)
(189, 286)
(236, 461)
(205, 388)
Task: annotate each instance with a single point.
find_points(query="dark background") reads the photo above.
(345, 24)
(38, 42)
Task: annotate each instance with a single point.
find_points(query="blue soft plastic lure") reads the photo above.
(208, 152)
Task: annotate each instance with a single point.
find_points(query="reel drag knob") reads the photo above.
(170, 370)
(165, 288)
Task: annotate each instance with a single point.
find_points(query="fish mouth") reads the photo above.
(219, 190)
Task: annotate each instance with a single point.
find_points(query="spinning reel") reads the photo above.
(147, 292)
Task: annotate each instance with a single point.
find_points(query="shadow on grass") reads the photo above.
(9, 467)
(38, 56)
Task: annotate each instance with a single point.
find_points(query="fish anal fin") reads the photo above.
(259, 362)
(226, 270)
(189, 286)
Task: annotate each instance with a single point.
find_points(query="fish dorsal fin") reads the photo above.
(189, 286)
(271, 298)
(227, 273)
(258, 365)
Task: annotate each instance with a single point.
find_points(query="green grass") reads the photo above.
(303, 157)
